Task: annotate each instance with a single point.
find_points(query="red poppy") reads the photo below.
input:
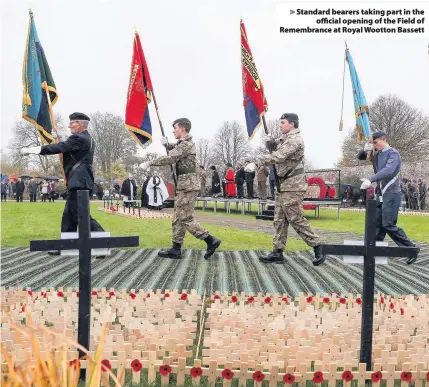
(165, 370)
(196, 372)
(376, 376)
(234, 299)
(217, 297)
(412, 316)
(417, 299)
(105, 365)
(258, 376)
(227, 374)
(402, 311)
(60, 294)
(111, 294)
(318, 377)
(184, 297)
(309, 299)
(289, 378)
(406, 376)
(30, 293)
(23, 308)
(45, 295)
(342, 300)
(427, 376)
(326, 300)
(94, 293)
(381, 300)
(74, 363)
(267, 300)
(392, 305)
(358, 301)
(148, 295)
(136, 365)
(166, 295)
(250, 299)
(133, 296)
(284, 299)
(77, 294)
(347, 376)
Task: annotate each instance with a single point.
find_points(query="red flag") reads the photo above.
(255, 104)
(137, 118)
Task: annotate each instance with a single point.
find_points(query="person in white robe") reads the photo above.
(156, 191)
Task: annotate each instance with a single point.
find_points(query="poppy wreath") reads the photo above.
(347, 376)
(309, 299)
(359, 301)
(227, 374)
(133, 296)
(251, 299)
(376, 376)
(136, 365)
(318, 377)
(60, 294)
(165, 370)
(343, 300)
(326, 300)
(406, 376)
(94, 293)
(314, 181)
(216, 297)
(184, 297)
(267, 300)
(258, 376)
(285, 299)
(234, 299)
(105, 365)
(196, 372)
(288, 379)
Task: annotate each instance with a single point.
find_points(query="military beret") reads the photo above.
(378, 134)
(290, 117)
(78, 117)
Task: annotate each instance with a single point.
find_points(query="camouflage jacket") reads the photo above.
(289, 158)
(184, 155)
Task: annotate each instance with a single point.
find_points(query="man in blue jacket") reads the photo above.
(387, 161)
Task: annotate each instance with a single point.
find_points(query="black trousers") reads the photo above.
(3, 197)
(387, 216)
(240, 190)
(249, 185)
(69, 221)
(19, 197)
(33, 197)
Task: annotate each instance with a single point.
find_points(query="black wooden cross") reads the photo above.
(369, 251)
(84, 243)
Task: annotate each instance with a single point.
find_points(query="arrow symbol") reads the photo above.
(291, 12)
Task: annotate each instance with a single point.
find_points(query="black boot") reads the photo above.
(175, 252)
(275, 256)
(319, 258)
(413, 259)
(212, 244)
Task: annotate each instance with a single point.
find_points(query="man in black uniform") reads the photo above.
(78, 154)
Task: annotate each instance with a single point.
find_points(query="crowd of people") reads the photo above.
(414, 194)
(45, 190)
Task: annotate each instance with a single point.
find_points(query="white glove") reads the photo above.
(164, 141)
(365, 184)
(368, 147)
(145, 165)
(35, 150)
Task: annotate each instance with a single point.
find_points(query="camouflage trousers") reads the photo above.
(289, 211)
(183, 220)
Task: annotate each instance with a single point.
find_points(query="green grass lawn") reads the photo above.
(24, 221)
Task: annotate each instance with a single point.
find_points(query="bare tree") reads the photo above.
(112, 139)
(204, 154)
(230, 144)
(25, 135)
(407, 130)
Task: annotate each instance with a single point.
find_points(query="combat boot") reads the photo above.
(212, 244)
(275, 256)
(175, 252)
(319, 258)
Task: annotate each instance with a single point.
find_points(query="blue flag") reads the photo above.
(361, 106)
(36, 79)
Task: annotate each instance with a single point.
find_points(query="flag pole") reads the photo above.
(342, 100)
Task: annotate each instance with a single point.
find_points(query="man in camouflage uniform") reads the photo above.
(184, 155)
(288, 158)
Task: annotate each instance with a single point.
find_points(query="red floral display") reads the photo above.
(402, 311)
(250, 300)
(309, 299)
(289, 378)
(136, 365)
(196, 372)
(347, 376)
(148, 295)
(359, 301)
(318, 377)
(406, 376)
(60, 294)
(381, 300)
(267, 300)
(227, 374)
(258, 376)
(376, 376)
(165, 370)
(105, 365)
(94, 293)
(184, 297)
(166, 295)
(326, 300)
(132, 296)
(392, 305)
(216, 297)
(284, 299)
(234, 299)
(30, 293)
(342, 300)
(111, 294)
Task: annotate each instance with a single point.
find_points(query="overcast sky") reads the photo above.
(193, 53)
